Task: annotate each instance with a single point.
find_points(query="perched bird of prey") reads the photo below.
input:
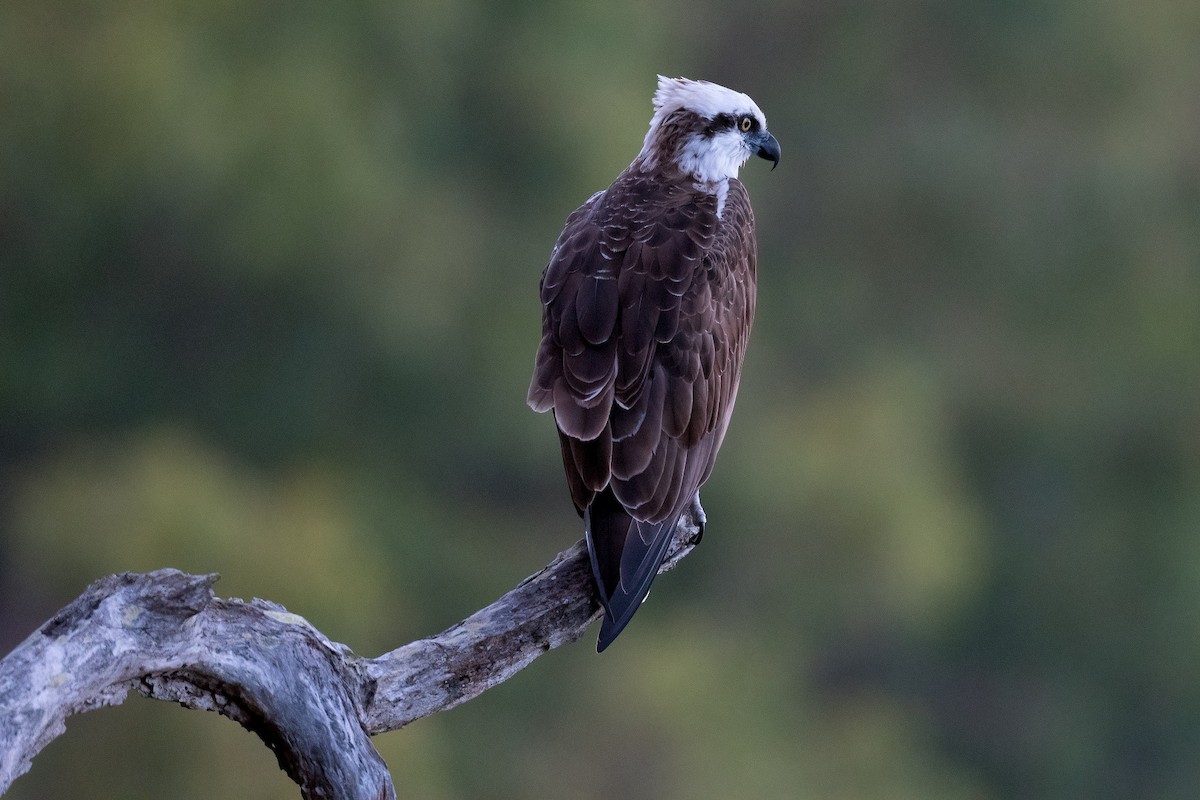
(647, 303)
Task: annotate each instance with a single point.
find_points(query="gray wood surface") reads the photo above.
(312, 701)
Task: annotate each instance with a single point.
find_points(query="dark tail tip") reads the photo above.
(619, 612)
(609, 631)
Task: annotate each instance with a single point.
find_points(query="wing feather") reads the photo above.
(638, 437)
(579, 419)
(592, 459)
(590, 371)
(678, 411)
(597, 303)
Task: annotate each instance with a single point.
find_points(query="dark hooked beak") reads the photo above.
(768, 148)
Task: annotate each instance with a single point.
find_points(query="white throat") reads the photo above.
(714, 159)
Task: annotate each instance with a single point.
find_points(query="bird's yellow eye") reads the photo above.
(746, 124)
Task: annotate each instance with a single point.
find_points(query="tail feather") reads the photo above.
(625, 555)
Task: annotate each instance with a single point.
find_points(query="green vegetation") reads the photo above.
(268, 307)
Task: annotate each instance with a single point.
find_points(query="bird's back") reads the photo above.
(648, 300)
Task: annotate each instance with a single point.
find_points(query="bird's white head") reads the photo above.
(705, 130)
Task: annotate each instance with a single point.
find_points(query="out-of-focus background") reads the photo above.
(268, 307)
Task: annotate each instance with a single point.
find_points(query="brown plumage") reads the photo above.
(647, 305)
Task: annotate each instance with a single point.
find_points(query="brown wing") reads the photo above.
(648, 300)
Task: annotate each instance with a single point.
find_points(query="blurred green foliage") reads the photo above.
(268, 306)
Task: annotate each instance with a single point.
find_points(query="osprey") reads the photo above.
(646, 308)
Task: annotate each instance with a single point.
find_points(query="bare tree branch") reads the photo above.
(312, 701)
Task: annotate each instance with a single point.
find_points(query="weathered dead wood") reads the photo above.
(312, 701)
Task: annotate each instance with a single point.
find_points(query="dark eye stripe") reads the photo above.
(721, 122)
